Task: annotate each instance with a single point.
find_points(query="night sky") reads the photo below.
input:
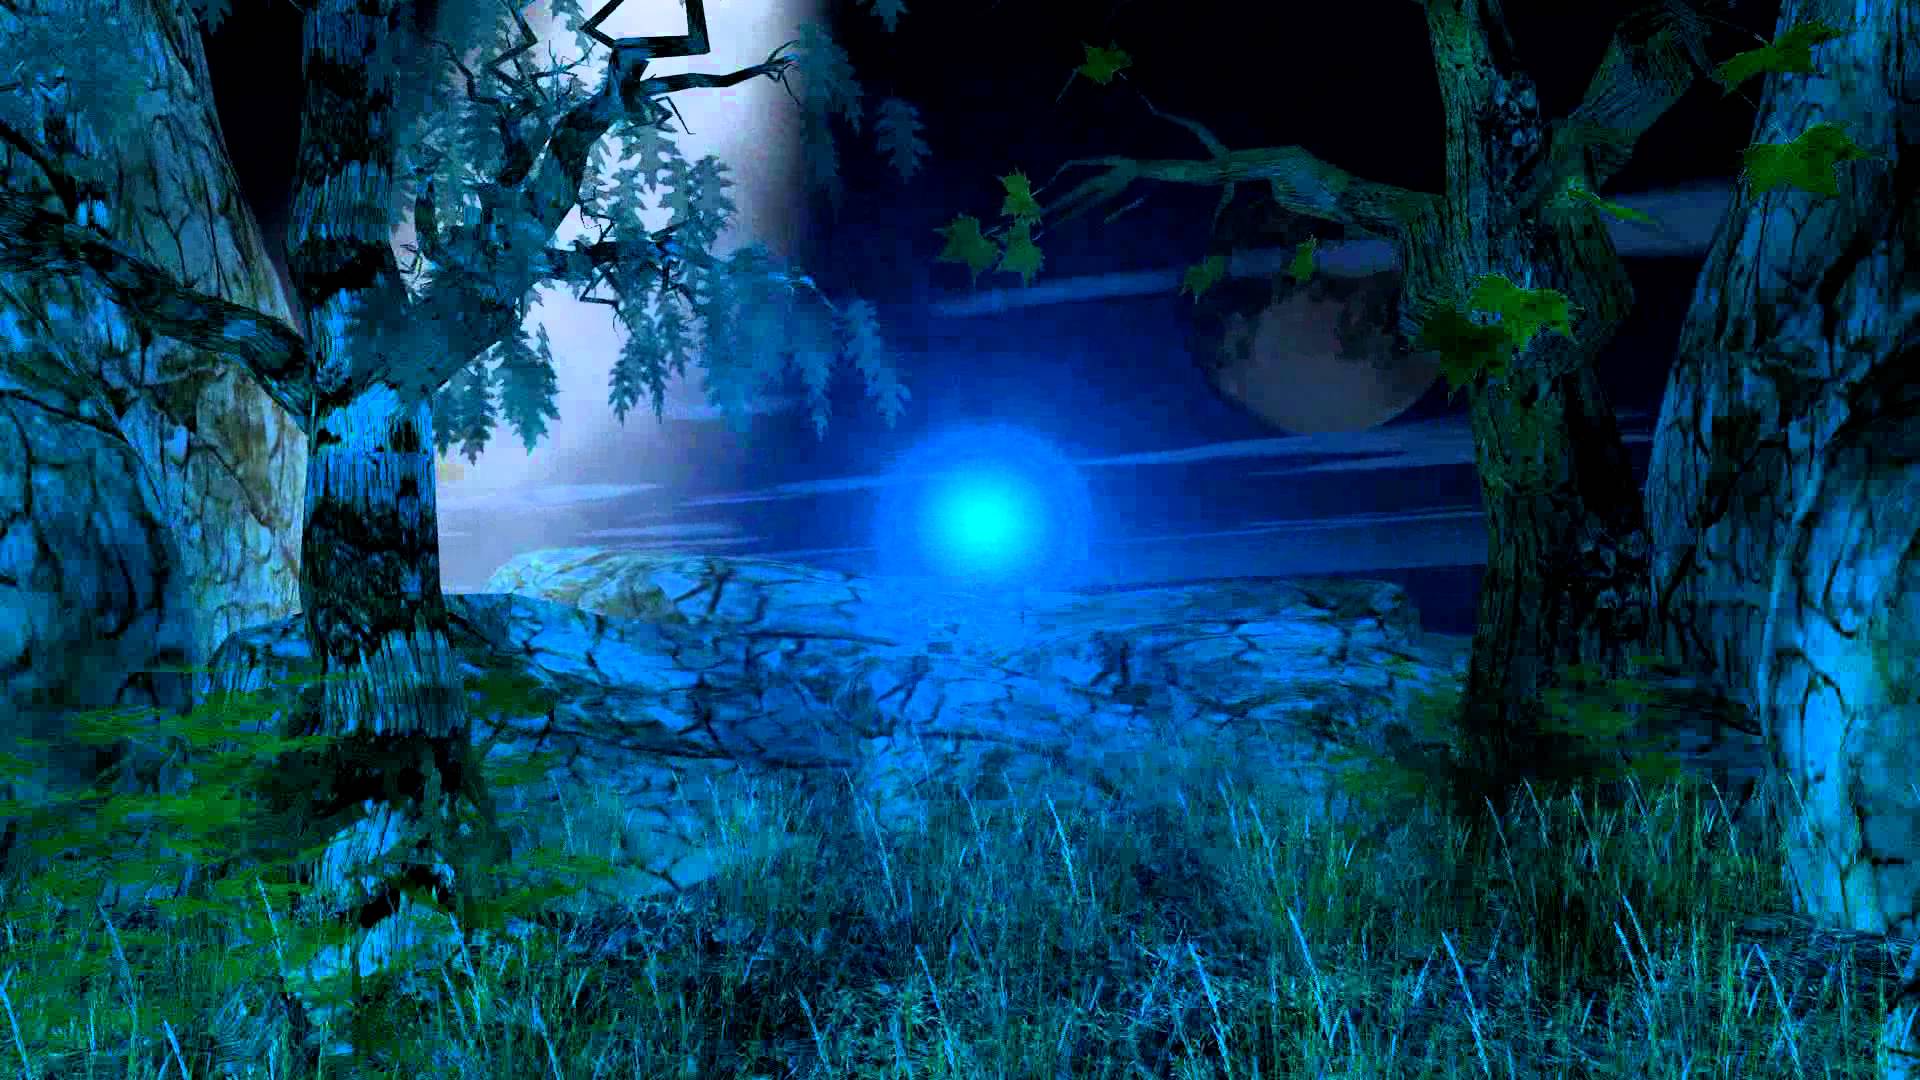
(1069, 443)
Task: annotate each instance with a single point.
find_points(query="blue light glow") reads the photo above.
(987, 505)
(979, 520)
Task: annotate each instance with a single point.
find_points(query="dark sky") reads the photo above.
(1101, 426)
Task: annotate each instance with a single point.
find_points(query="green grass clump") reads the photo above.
(1215, 932)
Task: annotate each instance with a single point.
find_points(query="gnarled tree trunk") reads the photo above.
(370, 571)
(1566, 560)
(150, 490)
(1785, 490)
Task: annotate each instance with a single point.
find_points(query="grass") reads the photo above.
(1214, 934)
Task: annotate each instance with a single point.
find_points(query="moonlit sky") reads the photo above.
(1088, 369)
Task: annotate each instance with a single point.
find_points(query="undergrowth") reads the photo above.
(156, 924)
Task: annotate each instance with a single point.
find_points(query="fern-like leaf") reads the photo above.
(828, 87)
(898, 129)
(527, 385)
(813, 354)
(464, 412)
(860, 332)
(889, 12)
(641, 365)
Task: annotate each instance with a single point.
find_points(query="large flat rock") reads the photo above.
(667, 673)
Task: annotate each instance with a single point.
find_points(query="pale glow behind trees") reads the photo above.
(755, 129)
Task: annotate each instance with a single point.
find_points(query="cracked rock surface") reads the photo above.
(666, 672)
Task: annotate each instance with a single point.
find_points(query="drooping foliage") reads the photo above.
(474, 110)
(898, 127)
(828, 90)
(742, 316)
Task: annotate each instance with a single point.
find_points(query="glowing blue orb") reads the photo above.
(986, 505)
(980, 520)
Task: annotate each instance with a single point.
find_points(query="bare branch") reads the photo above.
(36, 241)
(1655, 55)
(1297, 180)
(775, 68)
(527, 41)
(517, 149)
(1207, 138)
(1214, 147)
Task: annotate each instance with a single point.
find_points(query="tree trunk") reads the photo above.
(370, 573)
(1566, 561)
(1785, 489)
(201, 466)
(1566, 580)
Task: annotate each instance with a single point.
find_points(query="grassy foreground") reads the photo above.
(1215, 935)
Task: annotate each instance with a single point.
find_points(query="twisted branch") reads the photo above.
(37, 241)
(546, 194)
(1654, 57)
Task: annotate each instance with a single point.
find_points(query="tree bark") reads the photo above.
(370, 570)
(1567, 550)
(1566, 578)
(1784, 494)
(216, 463)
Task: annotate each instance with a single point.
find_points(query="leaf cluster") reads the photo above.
(1509, 318)
(1789, 54)
(745, 318)
(1009, 248)
(1808, 161)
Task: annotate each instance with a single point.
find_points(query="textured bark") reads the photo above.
(1566, 560)
(1566, 577)
(360, 381)
(370, 572)
(1784, 496)
(149, 490)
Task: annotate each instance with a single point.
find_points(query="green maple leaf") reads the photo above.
(1523, 312)
(1203, 275)
(1023, 255)
(967, 244)
(1467, 349)
(1302, 265)
(1807, 163)
(1103, 64)
(1019, 203)
(1789, 54)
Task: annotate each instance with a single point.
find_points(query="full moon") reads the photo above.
(1284, 361)
(1308, 358)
